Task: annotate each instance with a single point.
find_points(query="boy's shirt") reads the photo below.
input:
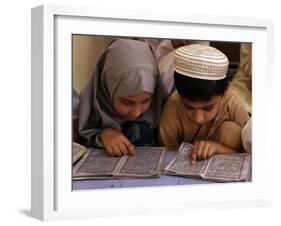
(175, 126)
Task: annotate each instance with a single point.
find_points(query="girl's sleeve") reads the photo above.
(91, 139)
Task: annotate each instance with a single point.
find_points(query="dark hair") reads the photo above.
(199, 89)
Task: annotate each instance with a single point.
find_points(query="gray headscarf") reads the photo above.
(125, 68)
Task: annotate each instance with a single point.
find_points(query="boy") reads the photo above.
(203, 111)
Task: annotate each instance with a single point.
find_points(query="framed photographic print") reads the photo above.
(76, 175)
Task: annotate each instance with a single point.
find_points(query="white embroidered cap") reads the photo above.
(201, 61)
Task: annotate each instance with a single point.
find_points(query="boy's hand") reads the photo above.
(116, 144)
(203, 150)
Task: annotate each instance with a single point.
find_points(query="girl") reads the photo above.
(120, 107)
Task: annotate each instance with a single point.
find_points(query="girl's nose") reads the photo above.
(136, 112)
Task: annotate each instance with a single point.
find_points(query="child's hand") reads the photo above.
(203, 150)
(116, 144)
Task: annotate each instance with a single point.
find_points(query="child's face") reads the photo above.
(202, 112)
(132, 107)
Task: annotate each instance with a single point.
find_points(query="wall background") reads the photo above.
(15, 112)
(87, 51)
(88, 48)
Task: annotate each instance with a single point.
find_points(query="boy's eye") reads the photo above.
(188, 107)
(209, 108)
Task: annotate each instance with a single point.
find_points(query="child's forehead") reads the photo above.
(140, 96)
(201, 103)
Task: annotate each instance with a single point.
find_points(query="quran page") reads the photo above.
(147, 163)
(77, 152)
(233, 167)
(181, 163)
(95, 163)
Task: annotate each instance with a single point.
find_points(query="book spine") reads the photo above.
(120, 164)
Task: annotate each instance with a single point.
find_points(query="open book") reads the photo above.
(77, 152)
(220, 168)
(97, 164)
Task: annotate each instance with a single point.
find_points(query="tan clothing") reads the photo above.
(241, 84)
(246, 136)
(175, 126)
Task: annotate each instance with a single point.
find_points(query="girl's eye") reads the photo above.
(146, 101)
(127, 102)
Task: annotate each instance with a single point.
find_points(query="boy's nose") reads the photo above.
(198, 117)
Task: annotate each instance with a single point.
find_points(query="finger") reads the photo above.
(193, 157)
(116, 150)
(109, 151)
(123, 148)
(131, 148)
(211, 152)
(193, 153)
(205, 151)
(209, 155)
(199, 150)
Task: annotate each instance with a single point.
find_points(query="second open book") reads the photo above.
(149, 162)
(220, 167)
